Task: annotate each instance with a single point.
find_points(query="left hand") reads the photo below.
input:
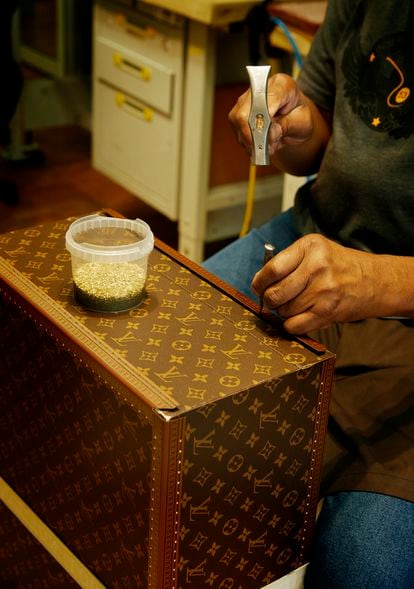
(317, 282)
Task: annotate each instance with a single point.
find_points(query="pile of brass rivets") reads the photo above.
(109, 287)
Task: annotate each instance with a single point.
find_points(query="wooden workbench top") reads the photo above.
(210, 12)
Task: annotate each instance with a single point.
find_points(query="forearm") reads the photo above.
(395, 286)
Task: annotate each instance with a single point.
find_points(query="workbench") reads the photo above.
(208, 12)
(171, 172)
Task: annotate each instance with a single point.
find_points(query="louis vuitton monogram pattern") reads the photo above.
(174, 445)
(187, 338)
(246, 471)
(76, 454)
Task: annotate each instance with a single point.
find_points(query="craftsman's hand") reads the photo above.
(316, 282)
(299, 130)
(288, 108)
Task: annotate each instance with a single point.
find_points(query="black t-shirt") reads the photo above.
(361, 68)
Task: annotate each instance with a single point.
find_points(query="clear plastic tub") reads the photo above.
(109, 261)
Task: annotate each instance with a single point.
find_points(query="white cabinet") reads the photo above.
(155, 76)
(137, 102)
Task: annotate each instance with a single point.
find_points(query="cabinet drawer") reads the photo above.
(135, 74)
(139, 53)
(137, 146)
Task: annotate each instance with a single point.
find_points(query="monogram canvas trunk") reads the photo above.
(177, 445)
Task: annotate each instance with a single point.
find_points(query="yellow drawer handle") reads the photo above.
(143, 72)
(145, 113)
(147, 32)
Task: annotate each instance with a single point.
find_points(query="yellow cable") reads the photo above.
(249, 201)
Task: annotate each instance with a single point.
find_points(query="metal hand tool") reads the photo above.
(269, 252)
(259, 118)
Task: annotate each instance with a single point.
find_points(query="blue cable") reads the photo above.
(289, 37)
(295, 50)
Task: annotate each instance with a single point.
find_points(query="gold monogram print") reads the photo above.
(174, 445)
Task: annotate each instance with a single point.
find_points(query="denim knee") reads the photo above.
(363, 541)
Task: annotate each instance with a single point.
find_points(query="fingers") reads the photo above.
(301, 284)
(291, 117)
(283, 95)
(304, 323)
(276, 137)
(238, 118)
(274, 280)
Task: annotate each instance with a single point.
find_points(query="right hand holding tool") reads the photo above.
(289, 109)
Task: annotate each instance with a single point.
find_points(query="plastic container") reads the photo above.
(109, 261)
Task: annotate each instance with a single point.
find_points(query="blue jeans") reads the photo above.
(363, 541)
(237, 263)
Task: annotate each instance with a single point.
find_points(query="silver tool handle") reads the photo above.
(259, 118)
(269, 252)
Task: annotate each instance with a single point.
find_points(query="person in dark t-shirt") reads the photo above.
(345, 274)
